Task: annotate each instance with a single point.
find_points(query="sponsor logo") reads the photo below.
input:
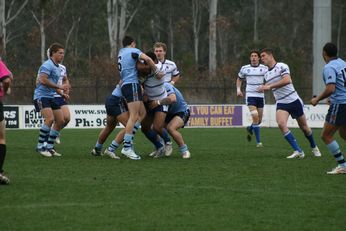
(11, 117)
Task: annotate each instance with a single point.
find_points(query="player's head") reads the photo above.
(56, 52)
(160, 50)
(254, 57)
(267, 56)
(330, 50)
(128, 41)
(152, 56)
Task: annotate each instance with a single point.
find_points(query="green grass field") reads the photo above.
(227, 185)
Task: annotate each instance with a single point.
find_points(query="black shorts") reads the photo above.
(132, 92)
(60, 101)
(184, 115)
(115, 106)
(1, 111)
(336, 114)
(295, 108)
(44, 103)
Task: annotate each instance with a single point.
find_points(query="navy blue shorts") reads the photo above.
(44, 103)
(296, 108)
(159, 108)
(60, 101)
(184, 115)
(132, 92)
(255, 101)
(336, 114)
(115, 106)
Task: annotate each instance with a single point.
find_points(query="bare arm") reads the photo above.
(238, 84)
(6, 85)
(43, 79)
(286, 79)
(151, 63)
(172, 98)
(175, 79)
(330, 88)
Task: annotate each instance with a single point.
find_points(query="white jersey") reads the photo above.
(171, 70)
(63, 73)
(153, 87)
(285, 94)
(254, 76)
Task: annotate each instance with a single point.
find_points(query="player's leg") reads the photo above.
(133, 95)
(66, 112)
(257, 113)
(43, 106)
(3, 179)
(281, 119)
(252, 110)
(173, 125)
(327, 136)
(110, 151)
(335, 119)
(342, 132)
(55, 130)
(150, 134)
(303, 125)
(67, 115)
(111, 122)
(158, 127)
(260, 115)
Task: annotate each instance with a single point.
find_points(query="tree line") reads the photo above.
(208, 39)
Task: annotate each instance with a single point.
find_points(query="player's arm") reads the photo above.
(43, 79)
(152, 65)
(328, 91)
(175, 79)
(65, 93)
(175, 75)
(170, 99)
(329, 78)
(6, 83)
(238, 84)
(286, 79)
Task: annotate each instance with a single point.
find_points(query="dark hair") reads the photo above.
(54, 48)
(269, 51)
(256, 52)
(151, 55)
(127, 40)
(330, 49)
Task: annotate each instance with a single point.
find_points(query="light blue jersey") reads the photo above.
(180, 105)
(117, 91)
(127, 59)
(334, 72)
(53, 71)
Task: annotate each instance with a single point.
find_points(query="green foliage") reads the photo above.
(285, 26)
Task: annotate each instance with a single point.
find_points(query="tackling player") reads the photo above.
(116, 109)
(288, 102)
(177, 117)
(334, 77)
(131, 90)
(253, 73)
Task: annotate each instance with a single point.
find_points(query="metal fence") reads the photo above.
(95, 91)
